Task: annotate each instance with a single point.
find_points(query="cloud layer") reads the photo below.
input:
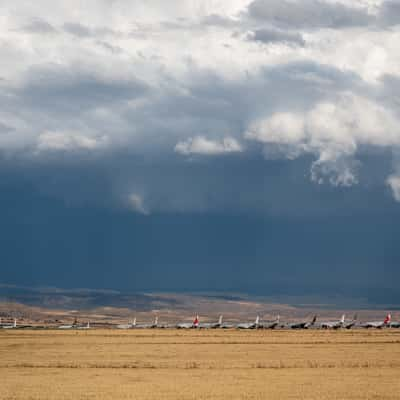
(192, 79)
(333, 132)
(204, 146)
(310, 13)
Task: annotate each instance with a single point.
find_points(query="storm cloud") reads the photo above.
(214, 94)
(252, 108)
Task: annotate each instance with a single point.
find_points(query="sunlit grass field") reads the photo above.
(214, 364)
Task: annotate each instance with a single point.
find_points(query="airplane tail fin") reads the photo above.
(278, 318)
(220, 320)
(15, 323)
(88, 325)
(196, 321)
(134, 322)
(352, 322)
(387, 319)
(257, 320)
(156, 321)
(314, 320)
(343, 318)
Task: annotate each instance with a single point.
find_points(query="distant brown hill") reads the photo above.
(106, 306)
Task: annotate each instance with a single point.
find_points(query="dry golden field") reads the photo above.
(215, 364)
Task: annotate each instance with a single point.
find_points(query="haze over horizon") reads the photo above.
(208, 145)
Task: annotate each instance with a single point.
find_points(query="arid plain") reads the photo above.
(171, 364)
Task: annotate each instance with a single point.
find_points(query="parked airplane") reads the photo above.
(11, 326)
(270, 324)
(74, 324)
(155, 325)
(332, 324)
(350, 324)
(302, 325)
(87, 326)
(127, 326)
(378, 324)
(66, 327)
(249, 325)
(227, 325)
(147, 326)
(211, 325)
(189, 325)
(395, 324)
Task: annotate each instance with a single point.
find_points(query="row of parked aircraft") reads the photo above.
(275, 324)
(220, 324)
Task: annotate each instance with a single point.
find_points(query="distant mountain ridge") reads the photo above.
(78, 299)
(49, 303)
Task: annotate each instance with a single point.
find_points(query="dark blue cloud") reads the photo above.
(59, 228)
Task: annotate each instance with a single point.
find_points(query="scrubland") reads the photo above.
(214, 364)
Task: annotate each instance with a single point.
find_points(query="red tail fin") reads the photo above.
(387, 319)
(196, 321)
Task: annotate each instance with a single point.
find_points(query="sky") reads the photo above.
(241, 145)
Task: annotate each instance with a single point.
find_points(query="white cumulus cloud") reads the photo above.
(136, 203)
(65, 141)
(333, 132)
(202, 145)
(394, 183)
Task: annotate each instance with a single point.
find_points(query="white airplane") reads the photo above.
(66, 327)
(227, 325)
(395, 324)
(270, 324)
(378, 324)
(303, 324)
(350, 324)
(211, 325)
(146, 326)
(74, 324)
(127, 326)
(249, 325)
(189, 325)
(12, 326)
(332, 324)
(87, 326)
(155, 324)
